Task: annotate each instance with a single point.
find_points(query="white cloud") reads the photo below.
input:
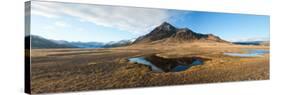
(45, 9)
(61, 24)
(135, 20)
(41, 13)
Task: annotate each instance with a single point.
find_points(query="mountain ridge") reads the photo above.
(264, 43)
(168, 33)
(38, 42)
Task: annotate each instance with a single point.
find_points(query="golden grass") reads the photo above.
(60, 70)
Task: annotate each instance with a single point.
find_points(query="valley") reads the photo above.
(166, 47)
(59, 70)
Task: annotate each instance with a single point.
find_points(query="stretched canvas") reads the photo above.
(81, 47)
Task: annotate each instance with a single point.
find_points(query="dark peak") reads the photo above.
(164, 29)
(167, 32)
(166, 25)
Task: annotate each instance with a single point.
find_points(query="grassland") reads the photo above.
(60, 70)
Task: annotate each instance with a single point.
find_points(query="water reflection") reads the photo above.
(141, 60)
(159, 64)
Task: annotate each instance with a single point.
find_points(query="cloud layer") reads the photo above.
(135, 20)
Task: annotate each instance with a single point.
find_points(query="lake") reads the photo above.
(250, 53)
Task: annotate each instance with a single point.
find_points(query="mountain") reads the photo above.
(88, 44)
(168, 33)
(118, 43)
(40, 42)
(265, 43)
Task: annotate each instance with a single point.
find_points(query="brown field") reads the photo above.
(60, 70)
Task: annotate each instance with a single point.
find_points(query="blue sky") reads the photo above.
(83, 22)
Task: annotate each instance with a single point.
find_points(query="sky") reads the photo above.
(88, 22)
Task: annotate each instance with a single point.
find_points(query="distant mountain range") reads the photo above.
(164, 33)
(118, 43)
(40, 42)
(168, 33)
(265, 43)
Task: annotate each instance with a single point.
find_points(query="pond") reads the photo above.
(250, 53)
(142, 60)
(160, 64)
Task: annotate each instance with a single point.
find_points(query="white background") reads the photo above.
(12, 47)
